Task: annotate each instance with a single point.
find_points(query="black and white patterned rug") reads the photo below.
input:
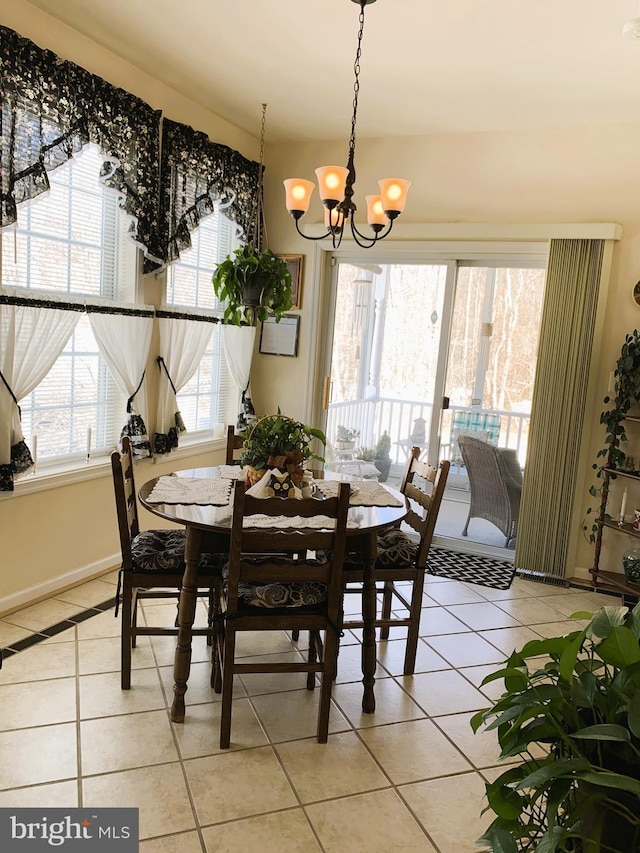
(470, 567)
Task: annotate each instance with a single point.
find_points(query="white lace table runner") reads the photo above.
(189, 490)
(366, 493)
(230, 472)
(317, 522)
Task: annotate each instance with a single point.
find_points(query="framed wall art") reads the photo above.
(294, 265)
(280, 338)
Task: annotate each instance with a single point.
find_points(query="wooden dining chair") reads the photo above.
(234, 446)
(266, 590)
(401, 558)
(152, 565)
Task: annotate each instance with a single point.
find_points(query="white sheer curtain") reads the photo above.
(124, 340)
(238, 343)
(182, 344)
(31, 339)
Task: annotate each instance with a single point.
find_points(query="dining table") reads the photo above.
(201, 500)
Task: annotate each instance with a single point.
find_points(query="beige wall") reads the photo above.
(574, 175)
(586, 174)
(53, 534)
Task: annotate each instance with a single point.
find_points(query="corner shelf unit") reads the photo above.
(606, 580)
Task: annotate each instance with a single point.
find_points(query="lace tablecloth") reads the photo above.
(366, 493)
(230, 472)
(203, 491)
(317, 522)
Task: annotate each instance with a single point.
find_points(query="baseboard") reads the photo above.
(540, 577)
(46, 589)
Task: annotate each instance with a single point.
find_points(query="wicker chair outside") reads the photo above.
(495, 480)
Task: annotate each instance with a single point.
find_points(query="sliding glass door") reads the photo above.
(425, 352)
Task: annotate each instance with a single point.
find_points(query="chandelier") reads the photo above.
(335, 186)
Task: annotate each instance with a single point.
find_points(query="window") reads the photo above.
(210, 396)
(73, 241)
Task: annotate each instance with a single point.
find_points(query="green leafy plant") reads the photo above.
(367, 454)
(346, 435)
(278, 437)
(627, 392)
(253, 285)
(577, 697)
(383, 447)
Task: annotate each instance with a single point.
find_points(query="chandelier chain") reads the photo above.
(356, 83)
(259, 239)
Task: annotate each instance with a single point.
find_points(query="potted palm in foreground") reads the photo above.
(578, 696)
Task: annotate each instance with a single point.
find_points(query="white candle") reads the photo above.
(88, 442)
(34, 449)
(623, 505)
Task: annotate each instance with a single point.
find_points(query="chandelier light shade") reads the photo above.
(336, 186)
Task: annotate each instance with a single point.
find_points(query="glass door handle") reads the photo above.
(326, 391)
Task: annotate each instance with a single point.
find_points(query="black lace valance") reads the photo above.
(196, 174)
(51, 108)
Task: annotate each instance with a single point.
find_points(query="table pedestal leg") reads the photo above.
(186, 617)
(369, 628)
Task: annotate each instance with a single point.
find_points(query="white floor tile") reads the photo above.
(407, 777)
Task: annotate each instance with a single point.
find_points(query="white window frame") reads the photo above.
(111, 402)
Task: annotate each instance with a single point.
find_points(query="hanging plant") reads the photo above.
(253, 285)
(252, 282)
(627, 393)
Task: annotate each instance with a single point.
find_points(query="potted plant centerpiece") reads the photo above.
(575, 700)
(278, 441)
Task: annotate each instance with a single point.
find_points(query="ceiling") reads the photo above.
(428, 66)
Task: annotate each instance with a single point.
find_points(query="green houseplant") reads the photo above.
(382, 459)
(581, 703)
(252, 282)
(253, 285)
(278, 441)
(626, 395)
(346, 437)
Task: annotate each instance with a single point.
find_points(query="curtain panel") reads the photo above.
(124, 340)
(33, 333)
(238, 343)
(184, 337)
(558, 406)
(195, 175)
(50, 109)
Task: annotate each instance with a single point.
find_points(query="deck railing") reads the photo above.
(397, 417)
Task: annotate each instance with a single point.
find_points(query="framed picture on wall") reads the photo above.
(280, 338)
(294, 265)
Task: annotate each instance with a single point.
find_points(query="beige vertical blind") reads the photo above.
(558, 406)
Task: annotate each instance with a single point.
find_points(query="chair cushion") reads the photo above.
(163, 551)
(395, 549)
(279, 595)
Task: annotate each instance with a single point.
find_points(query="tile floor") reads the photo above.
(409, 777)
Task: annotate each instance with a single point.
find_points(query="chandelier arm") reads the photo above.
(380, 235)
(328, 233)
